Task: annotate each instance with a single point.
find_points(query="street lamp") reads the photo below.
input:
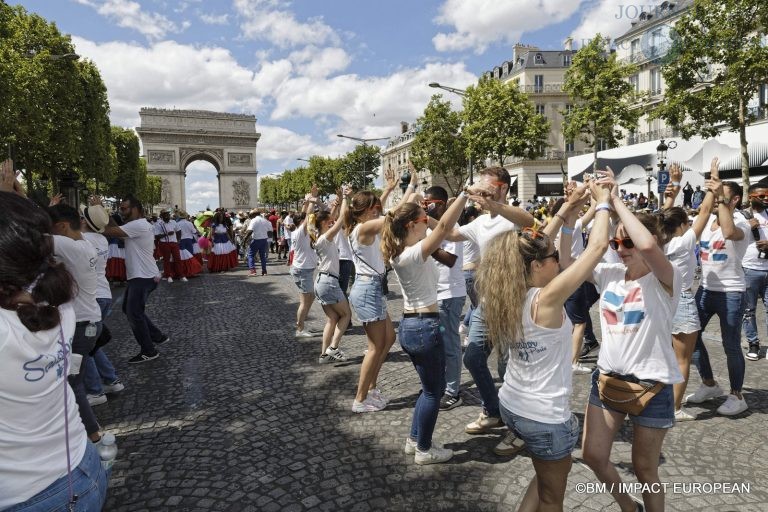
(462, 93)
(303, 159)
(365, 144)
(649, 178)
(661, 158)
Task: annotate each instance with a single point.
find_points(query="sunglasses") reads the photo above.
(432, 201)
(761, 197)
(627, 243)
(531, 233)
(555, 254)
(425, 220)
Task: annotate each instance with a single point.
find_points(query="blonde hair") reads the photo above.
(502, 281)
(396, 229)
(360, 203)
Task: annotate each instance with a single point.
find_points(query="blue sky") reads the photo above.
(308, 69)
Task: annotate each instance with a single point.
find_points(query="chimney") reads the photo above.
(403, 127)
(568, 44)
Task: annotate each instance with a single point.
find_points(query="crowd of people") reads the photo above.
(531, 273)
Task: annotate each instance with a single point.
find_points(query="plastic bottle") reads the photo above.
(107, 448)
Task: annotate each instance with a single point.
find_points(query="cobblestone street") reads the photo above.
(237, 415)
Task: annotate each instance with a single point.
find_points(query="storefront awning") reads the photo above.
(549, 179)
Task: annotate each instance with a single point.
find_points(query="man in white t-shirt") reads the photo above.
(755, 264)
(142, 274)
(723, 244)
(168, 234)
(495, 183)
(260, 231)
(451, 295)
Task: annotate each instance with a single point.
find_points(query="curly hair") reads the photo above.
(396, 229)
(502, 281)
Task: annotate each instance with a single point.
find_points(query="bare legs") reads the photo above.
(684, 345)
(600, 427)
(381, 337)
(338, 316)
(305, 302)
(577, 340)
(546, 491)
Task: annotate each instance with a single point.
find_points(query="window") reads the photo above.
(567, 60)
(602, 144)
(538, 83)
(634, 49)
(569, 146)
(634, 80)
(656, 43)
(538, 59)
(540, 109)
(655, 82)
(568, 109)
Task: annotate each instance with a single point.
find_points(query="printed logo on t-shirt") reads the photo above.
(713, 251)
(527, 348)
(623, 313)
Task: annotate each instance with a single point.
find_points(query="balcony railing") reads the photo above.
(637, 138)
(542, 89)
(550, 154)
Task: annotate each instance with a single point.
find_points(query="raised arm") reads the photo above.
(673, 187)
(444, 226)
(714, 188)
(410, 190)
(389, 184)
(482, 194)
(344, 202)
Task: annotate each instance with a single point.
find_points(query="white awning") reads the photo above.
(549, 179)
(512, 180)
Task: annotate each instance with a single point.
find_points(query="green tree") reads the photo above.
(500, 122)
(95, 157)
(601, 95)
(328, 173)
(718, 61)
(127, 175)
(439, 144)
(360, 166)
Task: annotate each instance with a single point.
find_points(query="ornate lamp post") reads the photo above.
(405, 179)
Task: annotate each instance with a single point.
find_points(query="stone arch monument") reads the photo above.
(172, 139)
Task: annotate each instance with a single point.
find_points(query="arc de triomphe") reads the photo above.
(172, 139)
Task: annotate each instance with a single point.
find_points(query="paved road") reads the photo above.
(236, 415)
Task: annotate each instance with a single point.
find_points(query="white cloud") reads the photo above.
(169, 74)
(608, 18)
(214, 19)
(319, 62)
(201, 187)
(480, 23)
(128, 14)
(263, 19)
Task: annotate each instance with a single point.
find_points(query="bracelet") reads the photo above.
(603, 206)
(566, 230)
(463, 194)
(561, 218)
(675, 183)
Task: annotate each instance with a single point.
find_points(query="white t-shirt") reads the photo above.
(450, 281)
(259, 227)
(636, 322)
(721, 269)
(100, 243)
(367, 258)
(139, 246)
(166, 229)
(288, 222)
(485, 228)
(188, 230)
(32, 382)
(79, 257)
(345, 250)
(327, 255)
(303, 255)
(681, 253)
(418, 278)
(751, 259)
(538, 381)
(471, 252)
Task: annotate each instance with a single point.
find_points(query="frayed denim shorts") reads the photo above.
(303, 279)
(544, 441)
(327, 289)
(367, 299)
(659, 413)
(686, 318)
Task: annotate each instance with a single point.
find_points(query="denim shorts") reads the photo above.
(659, 413)
(327, 290)
(686, 318)
(367, 299)
(544, 441)
(303, 279)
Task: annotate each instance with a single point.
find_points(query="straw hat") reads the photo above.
(95, 216)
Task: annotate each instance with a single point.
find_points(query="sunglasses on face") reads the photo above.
(429, 202)
(761, 197)
(424, 219)
(627, 243)
(531, 233)
(555, 255)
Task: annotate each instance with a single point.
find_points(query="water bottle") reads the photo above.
(107, 448)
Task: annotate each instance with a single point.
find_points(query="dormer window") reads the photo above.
(566, 60)
(538, 59)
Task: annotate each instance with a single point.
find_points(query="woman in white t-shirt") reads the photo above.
(526, 321)
(324, 227)
(407, 247)
(303, 266)
(40, 422)
(680, 241)
(638, 298)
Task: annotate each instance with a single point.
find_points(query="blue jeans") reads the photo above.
(134, 304)
(98, 367)
(422, 341)
(469, 283)
(450, 316)
(346, 270)
(260, 247)
(82, 345)
(729, 307)
(476, 361)
(89, 483)
(757, 287)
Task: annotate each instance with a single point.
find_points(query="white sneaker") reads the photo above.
(732, 406)
(580, 369)
(704, 393)
(97, 399)
(170, 280)
(114, 387)
(184, 279)
(435, 455)
(411, 446)
(377, 396)
(335, 355)
(324, 359)
(366, 405)
(303, 334)
(683, 415)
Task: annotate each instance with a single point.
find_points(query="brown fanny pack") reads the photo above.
(626, 396)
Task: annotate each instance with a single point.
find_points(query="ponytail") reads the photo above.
(395, 229)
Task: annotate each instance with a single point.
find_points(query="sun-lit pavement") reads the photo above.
(237, 415)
